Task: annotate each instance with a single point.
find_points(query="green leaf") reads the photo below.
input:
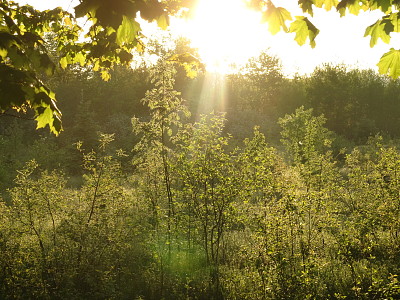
(383, 5)
(276, 18)
(163, 21)
(44, 118)
(395, 21)
(18, 59)
(105, 75)
(56, 127)
(191, 71)
(80, 58)
(47, 116)
(306, 6)
(190, 63)
(127, 31)
(63, 62)
(68, 21)
(327, 4)
(354, 7)
(390, 63)
(96, 66)
(110, 30)
(304, 29)
(380, 29)
(3, 53)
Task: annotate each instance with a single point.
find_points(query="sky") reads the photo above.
(228, 36)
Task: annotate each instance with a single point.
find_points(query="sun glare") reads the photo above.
(226, 32)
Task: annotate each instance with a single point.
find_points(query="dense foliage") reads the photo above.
(149, 196)
(149, 199)
(100, 35)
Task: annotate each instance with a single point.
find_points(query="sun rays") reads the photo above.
(226, 33)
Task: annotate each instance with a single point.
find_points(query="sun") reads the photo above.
(225, 32)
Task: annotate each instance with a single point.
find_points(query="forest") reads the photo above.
(251, 185)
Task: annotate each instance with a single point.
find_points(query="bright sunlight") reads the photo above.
(226, 32)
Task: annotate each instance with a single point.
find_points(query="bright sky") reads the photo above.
(225, 32)
(230, 33)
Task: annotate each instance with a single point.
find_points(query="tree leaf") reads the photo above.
(327, 4)
(68, 22)
(380, 29)
(127, 31)
(276, 18)
(110, 30)
(395, 21)
(96, 66)
(306, 6)
(304, 29)
(105, 75)
(383, 5)
(80, 58)
(63, 62)
(3, 52)
(390, 63)
(85, 7)
(354, 7)
(44, 118)
(163, 21)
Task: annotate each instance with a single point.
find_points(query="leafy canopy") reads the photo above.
(278, 17)
(25, 59)
(112, 32)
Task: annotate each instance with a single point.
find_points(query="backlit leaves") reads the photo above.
(127, 31)
(24, 60)
(353, 6)
(276, 18)
(383, 5)
(304, 29)
(45, 117)
(190, 63)
(63, 62)
(163, 21)
(3, 53)
(381, 29)
(80, 58)
(390, 63)
(105, 75)
(395, 18)
(307, 6)
(327, 4)
(113, 32)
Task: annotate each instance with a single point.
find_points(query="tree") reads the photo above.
(113, 34)
(351, 100)
(258, 83)
(304, 29)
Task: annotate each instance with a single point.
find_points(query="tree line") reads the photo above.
(356, 103)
